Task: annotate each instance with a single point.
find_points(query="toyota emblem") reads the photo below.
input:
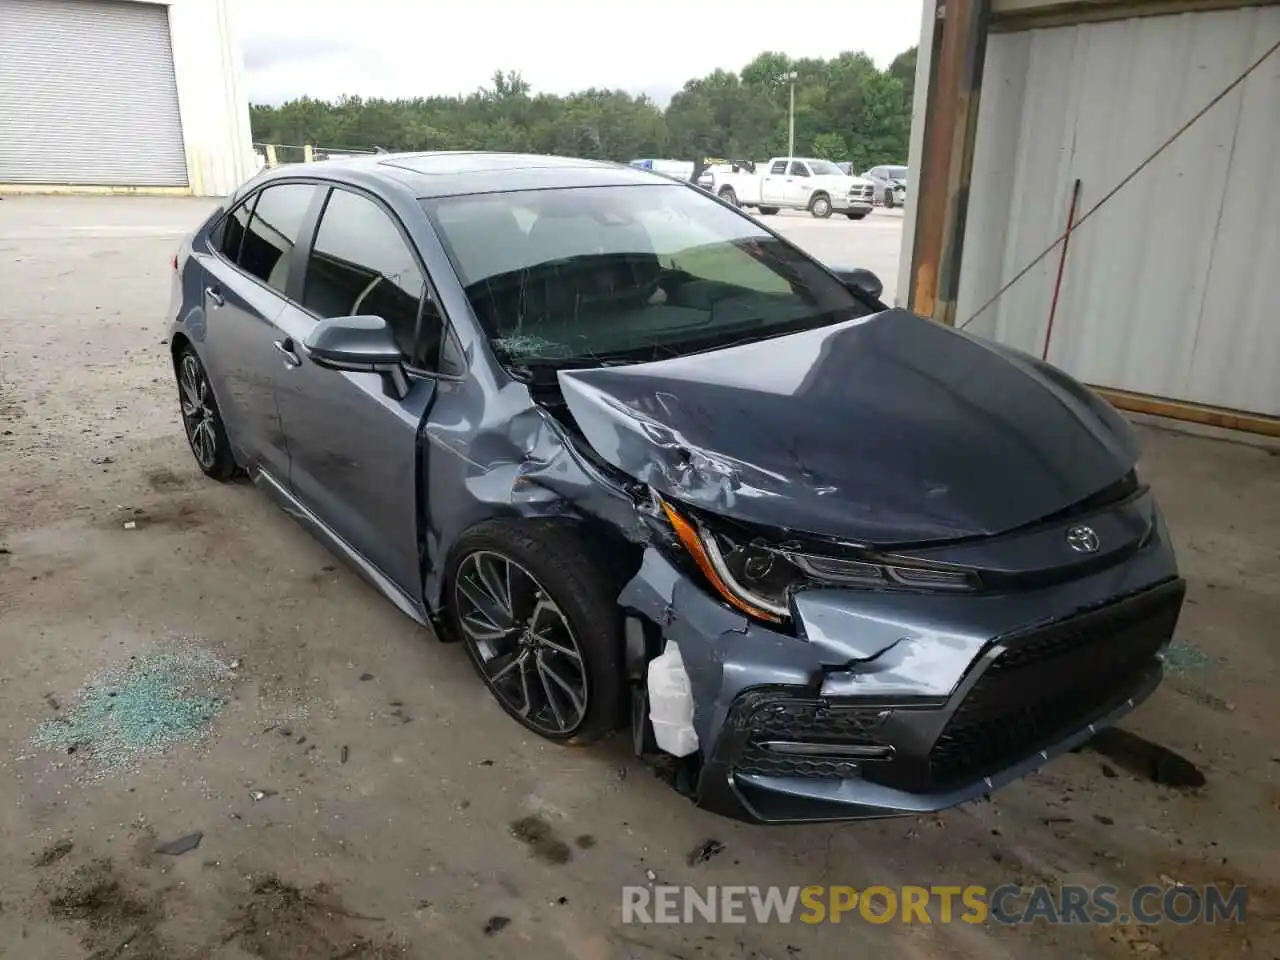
(1082, 540)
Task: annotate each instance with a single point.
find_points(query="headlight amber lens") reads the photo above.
(759, 578)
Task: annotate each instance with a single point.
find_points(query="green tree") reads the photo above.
(844, 109)
(830, 146)
(904, 68)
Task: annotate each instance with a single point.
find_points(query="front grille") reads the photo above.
(1047, 684)
(806, 721)
(867, 192)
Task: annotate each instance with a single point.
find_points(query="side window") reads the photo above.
(361, 264)
(231, 230)
(798, 169)
(273, 232)
(779, 167)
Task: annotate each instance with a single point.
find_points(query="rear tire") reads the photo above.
(888, 199)
(553, 567)
(729, 197)
(820, 206)
(768, 211)
(206, 433)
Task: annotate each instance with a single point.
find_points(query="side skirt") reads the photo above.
(292, 506)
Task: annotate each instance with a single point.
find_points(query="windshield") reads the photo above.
(627, 272)
(895, 173)
(825, 168)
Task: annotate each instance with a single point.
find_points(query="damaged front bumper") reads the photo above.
(897, 704)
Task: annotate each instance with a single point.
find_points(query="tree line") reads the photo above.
(846, 109)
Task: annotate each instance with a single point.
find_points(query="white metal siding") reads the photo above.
(1172, 288)
(87, 94)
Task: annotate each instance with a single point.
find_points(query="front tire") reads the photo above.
(888, 199)
(206, 433)
(768, 211)
(857, 214)
(535, 605)
(820, 206)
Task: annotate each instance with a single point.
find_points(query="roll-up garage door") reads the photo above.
(87, 94)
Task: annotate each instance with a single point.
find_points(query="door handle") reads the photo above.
(213, 294)
(285, 346)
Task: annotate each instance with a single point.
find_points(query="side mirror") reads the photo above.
(860, 281)
(359, 345)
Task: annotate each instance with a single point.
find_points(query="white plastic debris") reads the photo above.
(130, 525)
(671, 703)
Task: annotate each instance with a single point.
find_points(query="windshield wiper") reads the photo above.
(528, 368)
(566, 363)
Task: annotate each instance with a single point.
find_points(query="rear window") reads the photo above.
(266, 251)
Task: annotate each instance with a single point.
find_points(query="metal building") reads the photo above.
(138, 95)
(1166, 297)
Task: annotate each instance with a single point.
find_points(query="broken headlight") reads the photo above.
(758, 577)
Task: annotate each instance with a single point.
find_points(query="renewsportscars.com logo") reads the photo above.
(1005, 904)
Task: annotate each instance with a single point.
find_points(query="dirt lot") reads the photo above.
(356, 794)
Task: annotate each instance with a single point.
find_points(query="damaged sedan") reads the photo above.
(653, 467)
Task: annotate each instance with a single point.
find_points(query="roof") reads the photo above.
(444, 174)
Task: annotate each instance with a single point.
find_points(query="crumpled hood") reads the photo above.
(885, 429)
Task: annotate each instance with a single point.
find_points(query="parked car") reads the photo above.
(890, 184)
(651, 465)
(678, 169)
(795, 183)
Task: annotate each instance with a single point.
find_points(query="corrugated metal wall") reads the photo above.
(87, 94)
(1173, 288)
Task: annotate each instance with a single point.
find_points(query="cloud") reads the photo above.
(266, 52)
(390, 48)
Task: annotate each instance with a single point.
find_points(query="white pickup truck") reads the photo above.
(795, 183)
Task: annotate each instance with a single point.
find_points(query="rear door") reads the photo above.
(773, 185)
(353, 449)
(247, 276)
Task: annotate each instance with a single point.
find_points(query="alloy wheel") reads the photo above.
(523, 643)
(197, 411)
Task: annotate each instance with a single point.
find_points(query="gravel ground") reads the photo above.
(356, 795)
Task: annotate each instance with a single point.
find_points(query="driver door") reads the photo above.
(353, 449)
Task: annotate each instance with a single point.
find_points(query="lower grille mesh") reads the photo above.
(1050, 683)
(806, 721)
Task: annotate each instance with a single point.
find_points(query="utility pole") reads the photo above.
(791, 133)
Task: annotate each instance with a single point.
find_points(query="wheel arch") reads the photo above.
(177, 343)
(609, 543)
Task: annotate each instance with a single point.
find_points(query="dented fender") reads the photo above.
(503, 455)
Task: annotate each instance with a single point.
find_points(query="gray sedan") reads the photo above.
(655, 468)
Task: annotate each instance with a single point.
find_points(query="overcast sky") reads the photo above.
(393, 48)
